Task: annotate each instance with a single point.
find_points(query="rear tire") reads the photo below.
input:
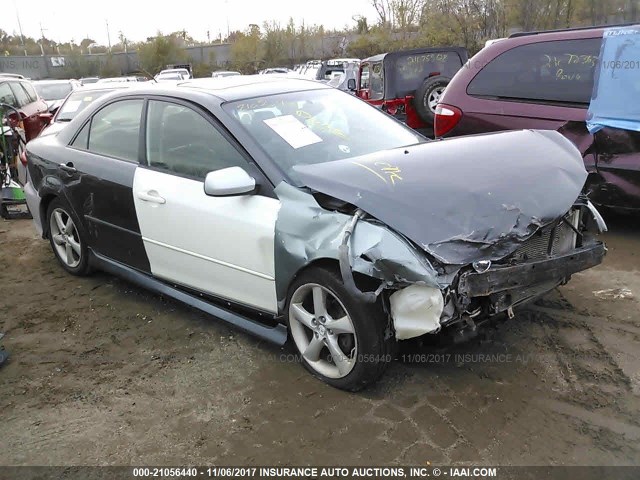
(67, 239)
(428, 95)
(341, 340)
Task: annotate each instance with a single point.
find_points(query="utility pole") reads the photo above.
(226, 9)
(42, 39)
(20, 27)
(108, 35)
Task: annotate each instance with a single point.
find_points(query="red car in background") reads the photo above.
(21, 95)
(408, 84)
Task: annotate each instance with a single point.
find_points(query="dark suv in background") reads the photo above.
(544, 80)
(408, 84)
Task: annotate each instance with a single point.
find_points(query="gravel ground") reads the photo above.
(103, 373)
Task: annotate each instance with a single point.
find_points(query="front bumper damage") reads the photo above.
(494, 280)
(421, 294)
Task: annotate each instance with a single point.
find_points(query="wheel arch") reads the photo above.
(45, 201)
(364, 282)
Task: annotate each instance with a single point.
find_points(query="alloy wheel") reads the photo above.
(65, 237)
(434, 98)
(323, 331)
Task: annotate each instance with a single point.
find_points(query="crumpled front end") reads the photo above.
(440, 249)
(544, 261)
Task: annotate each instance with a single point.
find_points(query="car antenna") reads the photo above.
(149, 75)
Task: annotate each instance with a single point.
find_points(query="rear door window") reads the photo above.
(31, 92)
(20, 94)
(546, 72)
(115, 130)
(7, 96)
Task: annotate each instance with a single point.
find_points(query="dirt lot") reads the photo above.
(105, 373)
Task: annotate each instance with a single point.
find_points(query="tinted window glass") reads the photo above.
(412, 70)
(181, 140)
(6, 95)
(559, 71)
(31, 92)
(115, 130)
(20, 94)
(82, 139)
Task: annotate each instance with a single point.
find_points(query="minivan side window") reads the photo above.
(115, 130)
(560, 71)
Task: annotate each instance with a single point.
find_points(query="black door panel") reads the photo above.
(101, 192)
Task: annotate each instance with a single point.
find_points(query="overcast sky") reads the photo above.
(63, 20)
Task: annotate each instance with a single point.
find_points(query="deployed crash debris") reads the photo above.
(614, 294)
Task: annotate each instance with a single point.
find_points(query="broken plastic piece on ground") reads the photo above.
(614, 293)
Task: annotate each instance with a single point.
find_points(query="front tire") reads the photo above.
(66, 238)
(341, 340)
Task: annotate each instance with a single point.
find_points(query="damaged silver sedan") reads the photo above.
(288, 208)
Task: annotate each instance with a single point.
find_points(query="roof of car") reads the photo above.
(105, 86)
(247, 86)
(52, 81)
(569, 30)
(415, 51)
(15, 76)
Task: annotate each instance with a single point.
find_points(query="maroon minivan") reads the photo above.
(544, 80)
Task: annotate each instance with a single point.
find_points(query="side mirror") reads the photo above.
(351, 84)
(228, 181)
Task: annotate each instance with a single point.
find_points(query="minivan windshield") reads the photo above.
(317, 126)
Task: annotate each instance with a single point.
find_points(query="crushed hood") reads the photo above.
(463, 199)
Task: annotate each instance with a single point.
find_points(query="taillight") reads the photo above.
(445, 119)
(23, 158)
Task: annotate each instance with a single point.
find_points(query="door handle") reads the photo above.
(67, 167)
(151, 196)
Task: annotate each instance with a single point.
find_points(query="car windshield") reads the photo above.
(318, 126)
(53, 91)
(77, 102)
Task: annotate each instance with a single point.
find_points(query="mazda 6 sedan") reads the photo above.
(294, 210)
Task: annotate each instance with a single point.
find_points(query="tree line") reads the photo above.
(399, 24)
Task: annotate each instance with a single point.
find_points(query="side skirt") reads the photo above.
(277, 334)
